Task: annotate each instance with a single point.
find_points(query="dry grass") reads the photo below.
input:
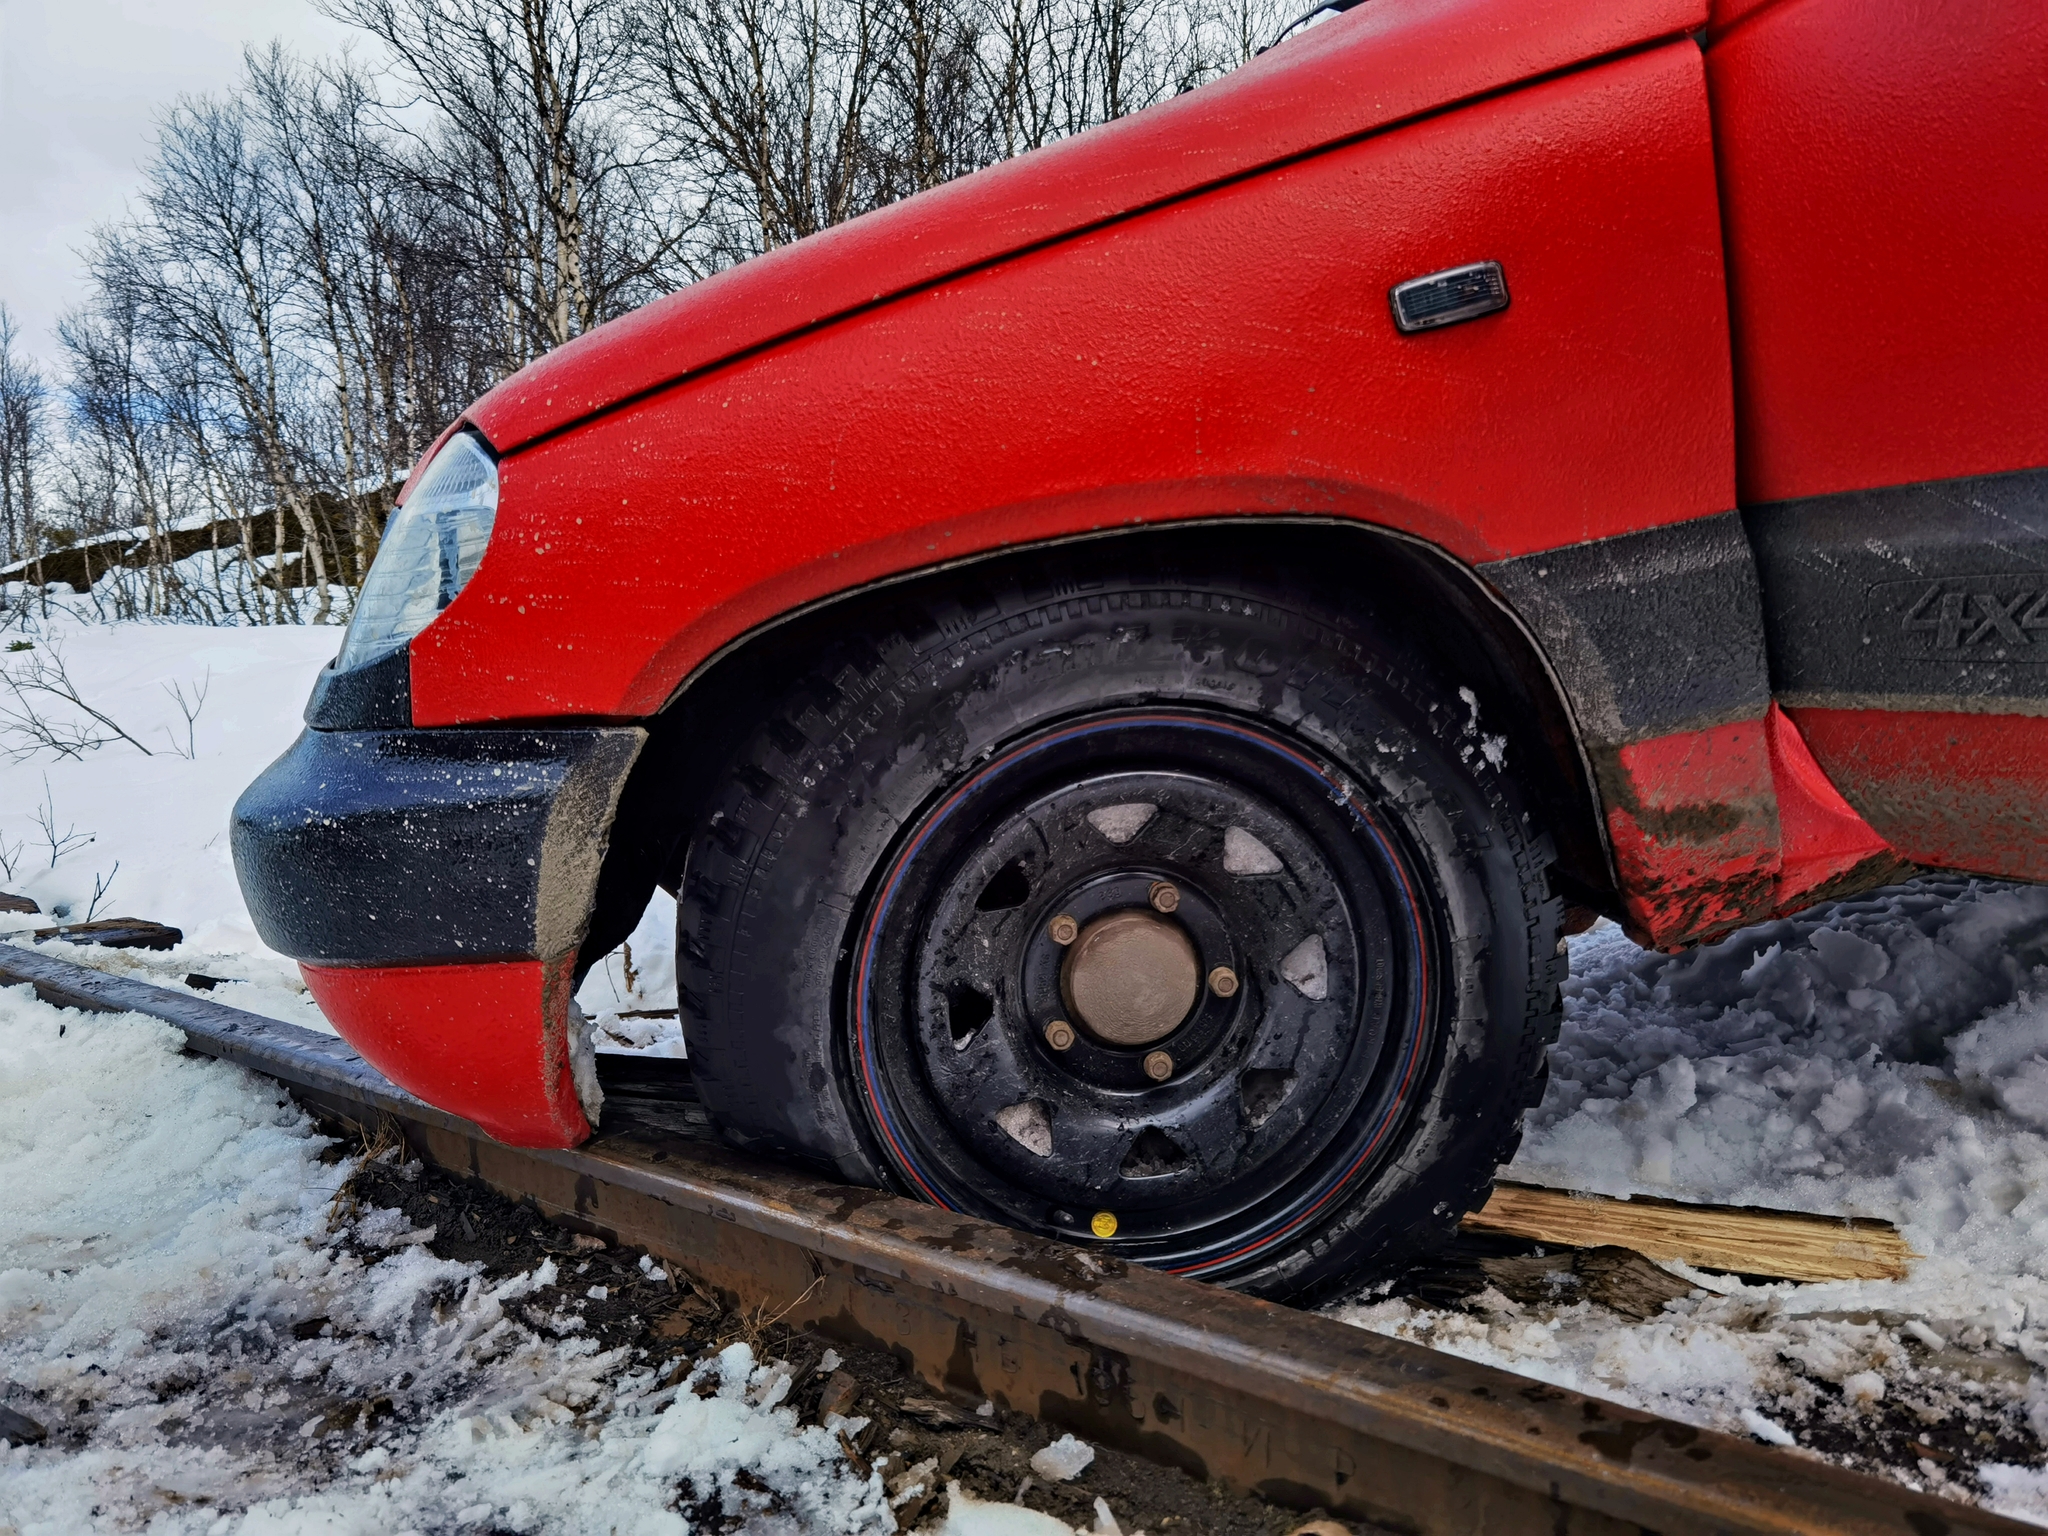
(374, 1144)
(751, 1327)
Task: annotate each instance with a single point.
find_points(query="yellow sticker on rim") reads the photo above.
(1104, 1224)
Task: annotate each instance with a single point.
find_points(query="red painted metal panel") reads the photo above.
(1716, 828)
(1824, 840)
(1727, 14)
(1376, 66)
(1231, 353)
(1960, 791)
(487, 1042)
(1887, 209)
(1693, 819)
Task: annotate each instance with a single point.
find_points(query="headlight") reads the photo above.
(432, 546)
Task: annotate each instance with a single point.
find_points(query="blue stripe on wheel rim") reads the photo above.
(1407, 1066)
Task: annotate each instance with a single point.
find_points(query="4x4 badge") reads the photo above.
(1959, 618)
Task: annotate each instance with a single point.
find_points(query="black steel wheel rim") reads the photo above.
(1282, 1097)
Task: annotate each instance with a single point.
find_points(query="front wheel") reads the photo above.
(1180, 918)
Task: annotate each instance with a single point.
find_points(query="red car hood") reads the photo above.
(1360, 73)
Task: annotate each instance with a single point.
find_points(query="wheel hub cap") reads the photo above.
(1131, 978)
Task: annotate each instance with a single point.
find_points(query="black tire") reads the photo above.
(867, 963)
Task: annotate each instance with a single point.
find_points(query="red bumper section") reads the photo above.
(487, 1042)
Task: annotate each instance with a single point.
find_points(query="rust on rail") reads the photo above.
(1297, 1407)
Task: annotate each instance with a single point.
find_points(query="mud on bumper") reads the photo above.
(435, 887)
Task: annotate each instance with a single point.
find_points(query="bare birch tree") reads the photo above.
(23, 400)
(531, 145)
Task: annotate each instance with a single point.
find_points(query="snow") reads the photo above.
(1886, 1057)
(161, 818)
(178, 1281)
(1306, 968)
(969, 1516)
(165, 1220)
(1121, 823)
(638, 977)
(1244, 854)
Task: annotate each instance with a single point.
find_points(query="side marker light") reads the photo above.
(1446, 297)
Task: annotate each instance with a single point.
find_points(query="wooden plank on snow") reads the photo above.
(1790, 1245)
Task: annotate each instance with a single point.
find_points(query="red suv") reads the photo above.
(1131, 662)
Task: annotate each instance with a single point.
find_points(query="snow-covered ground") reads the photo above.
(165, 1221)
(1884, 1057)
(166, 1228)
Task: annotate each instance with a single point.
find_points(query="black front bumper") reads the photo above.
(405, 847)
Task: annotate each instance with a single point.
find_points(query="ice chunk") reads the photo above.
(1850, 962)
(1764, 1429)
(1842, 1106)
(1065, 1459)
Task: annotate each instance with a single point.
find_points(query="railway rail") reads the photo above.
(1293, 1406)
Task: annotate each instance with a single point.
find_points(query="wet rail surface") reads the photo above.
(1294, 1406)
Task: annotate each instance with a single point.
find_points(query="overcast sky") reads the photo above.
(81, 85)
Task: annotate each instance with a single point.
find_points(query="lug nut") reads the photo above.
(1223, 981)
(1158, 1066)
(1165, 896)
(1059, 1034)
(1064, 929)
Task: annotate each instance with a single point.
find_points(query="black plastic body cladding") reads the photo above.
(1651, 633)
(376, 696)
(404, 847)
(1912, 597)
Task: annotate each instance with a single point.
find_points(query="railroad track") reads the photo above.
(1284, 1403)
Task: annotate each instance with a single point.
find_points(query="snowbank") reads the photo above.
(1885, 1057)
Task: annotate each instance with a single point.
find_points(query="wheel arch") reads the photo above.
(1445, 606)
